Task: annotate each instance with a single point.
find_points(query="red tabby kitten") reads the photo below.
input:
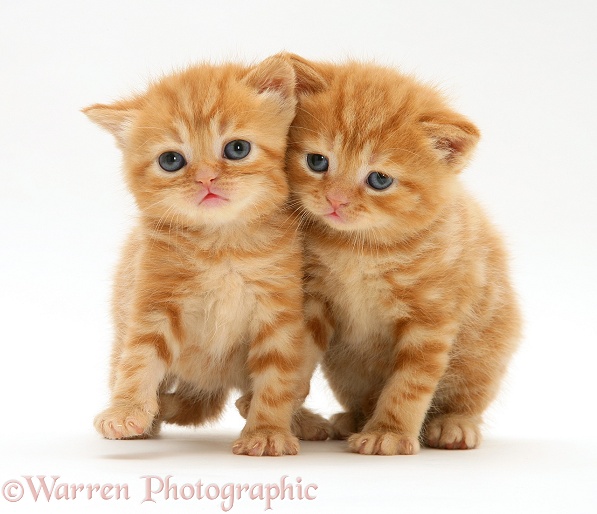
(208, 293)
(406, 279)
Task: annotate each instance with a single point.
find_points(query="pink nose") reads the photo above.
(205, 176)
(337, 200)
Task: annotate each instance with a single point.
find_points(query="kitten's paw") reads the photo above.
(343, 425)
(453, 433)
(259, 443)
(126, 423)
(308, 426)
(243, 404)
(377, 442)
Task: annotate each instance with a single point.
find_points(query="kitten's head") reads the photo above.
(371, 150)
(206, 146)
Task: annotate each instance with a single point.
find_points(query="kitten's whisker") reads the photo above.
(303, 128)
(319, 122)
(398, 149)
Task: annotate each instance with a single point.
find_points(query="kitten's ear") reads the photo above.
(453, 138)
(309, 79)
(273, 75)
(116, 118)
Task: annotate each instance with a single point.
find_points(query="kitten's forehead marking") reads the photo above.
(209, 100)
(355, 162)
(338, 143)
(205, 141)
(349, 116)
(224, 124)
(182, 130)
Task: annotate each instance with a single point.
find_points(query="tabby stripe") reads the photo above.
(274, 358)
(267, 330)
(277, 398)
(157, 341)
(319, 333)
(424, 359)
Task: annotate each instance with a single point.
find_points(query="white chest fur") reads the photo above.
(363, 301)
(216, 320)
(217, 317)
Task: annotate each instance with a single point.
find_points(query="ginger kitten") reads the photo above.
(407, 282)
(208, 294)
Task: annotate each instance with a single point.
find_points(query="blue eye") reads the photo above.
(318, 163)
(379, 180)
(172, 161)
(237, 149)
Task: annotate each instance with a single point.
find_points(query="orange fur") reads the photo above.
(208, 293)
(408, 286)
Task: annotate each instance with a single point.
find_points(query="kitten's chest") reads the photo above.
(365, 304)
(217, 307)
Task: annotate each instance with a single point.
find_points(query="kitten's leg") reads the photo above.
(471, 382)
(243, 403)
(278, 367)
(354, 387)
(141, 353)
(140, 362)
(454, 418)
(187, 407)
(306, 425)
(352, 390)
(156, 426)
(421, 360)
(310, 426)
(141, 368)
(344, 424)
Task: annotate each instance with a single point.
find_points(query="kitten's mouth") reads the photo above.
(335, 217)
(338, 220)
(211, 199)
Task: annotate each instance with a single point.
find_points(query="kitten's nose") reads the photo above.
(337, 200)
(205, 176)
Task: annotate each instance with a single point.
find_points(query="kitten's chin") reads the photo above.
(212, 217)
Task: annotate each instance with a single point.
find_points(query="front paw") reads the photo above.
(383, 442)
(453, 433)
(125, 422)
(263, 442)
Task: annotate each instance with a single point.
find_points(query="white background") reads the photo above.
(524, 71)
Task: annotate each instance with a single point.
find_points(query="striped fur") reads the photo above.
(407, 288)
(208, 296)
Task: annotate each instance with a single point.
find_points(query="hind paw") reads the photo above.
(308, 426)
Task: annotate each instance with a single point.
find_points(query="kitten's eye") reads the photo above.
(317, 162)
(237, 149)
(172, 161)
(379, 180)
